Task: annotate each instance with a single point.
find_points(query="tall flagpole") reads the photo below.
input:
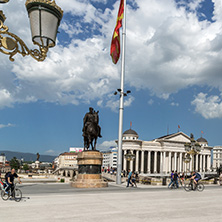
(121, 102)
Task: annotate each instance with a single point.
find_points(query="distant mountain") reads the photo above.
(27, 156)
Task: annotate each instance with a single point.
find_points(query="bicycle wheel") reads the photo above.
(17, 194)
(4, 195)
(200, 187)
(187, 187)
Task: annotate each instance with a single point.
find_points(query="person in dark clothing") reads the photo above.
(175, 178)
(10, 179)
(171, 177)
(195, 177)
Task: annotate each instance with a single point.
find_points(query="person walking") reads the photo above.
(220, 179)
(171, 177)
(175, 178)
(129, 178)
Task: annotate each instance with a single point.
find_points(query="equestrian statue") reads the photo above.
(91, 129)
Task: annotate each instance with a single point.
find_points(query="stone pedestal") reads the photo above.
(89, 170)
(37, 164)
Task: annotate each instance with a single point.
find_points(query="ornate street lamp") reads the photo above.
(192, 149)
(130, 156)
(45, 17)
(187, 159)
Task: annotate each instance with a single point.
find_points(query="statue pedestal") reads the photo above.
(37, 164)
(89, 170)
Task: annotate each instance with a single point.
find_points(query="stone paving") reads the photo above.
(116, 205)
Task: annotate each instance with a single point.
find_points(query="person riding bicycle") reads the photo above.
(9, 178)
(195, 177)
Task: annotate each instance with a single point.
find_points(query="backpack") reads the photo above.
(6, 176)
(198, 175)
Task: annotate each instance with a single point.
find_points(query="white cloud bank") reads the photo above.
(208, 106)
(168, 49)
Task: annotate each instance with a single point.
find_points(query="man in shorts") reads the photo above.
(195, 177)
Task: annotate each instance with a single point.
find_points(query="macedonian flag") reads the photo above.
(115, 44)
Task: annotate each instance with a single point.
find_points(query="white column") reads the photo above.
(137, 161)
(196, 167)
(124, 160)
(180, 163)
(131, 161)
(191, 162)
(209, 162)
(201, 163)
(161, 162)
(184, 164)
(148, 162)
(155, 161)
(142, 161)
(175, 161)
(169, 162)
(164, 162)
(204, 163)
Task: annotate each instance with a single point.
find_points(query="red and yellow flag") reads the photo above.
(115, 44)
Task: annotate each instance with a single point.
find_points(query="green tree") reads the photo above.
(14, 163)
(25, 167)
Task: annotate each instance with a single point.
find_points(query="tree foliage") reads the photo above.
(25, 167)
(14, 163)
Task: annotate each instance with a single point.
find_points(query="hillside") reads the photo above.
(27, 156)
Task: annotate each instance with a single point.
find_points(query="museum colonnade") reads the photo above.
(157, 162)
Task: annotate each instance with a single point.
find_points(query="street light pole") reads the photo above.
(192, 149)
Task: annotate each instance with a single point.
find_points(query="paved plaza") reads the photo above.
(60, 202)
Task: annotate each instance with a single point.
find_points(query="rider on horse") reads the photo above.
(91, 117)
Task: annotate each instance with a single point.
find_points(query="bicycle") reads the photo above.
(16, 193)
(199, 186)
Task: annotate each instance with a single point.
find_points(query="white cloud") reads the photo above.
(208, 106)
(106, 145)
(53, 152)
(114, 104)
(167, 49)
(174, 104)
(150, 102)
(6, 125)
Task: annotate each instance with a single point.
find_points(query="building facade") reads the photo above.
(164, 154)
(110, 158)
(4, 164)
(217, 156)
(67, 160)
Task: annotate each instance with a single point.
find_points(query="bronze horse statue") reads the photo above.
(91, 133)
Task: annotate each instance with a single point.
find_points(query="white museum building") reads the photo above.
(164, 154)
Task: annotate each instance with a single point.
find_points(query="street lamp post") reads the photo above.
(192, 148)
(120, 136)
(45, 17)
(130, 157)
(187, 160)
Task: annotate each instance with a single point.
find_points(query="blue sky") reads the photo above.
(173, 68)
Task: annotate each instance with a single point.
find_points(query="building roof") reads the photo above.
(130, 131)
(202, 140)
(172, 135)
